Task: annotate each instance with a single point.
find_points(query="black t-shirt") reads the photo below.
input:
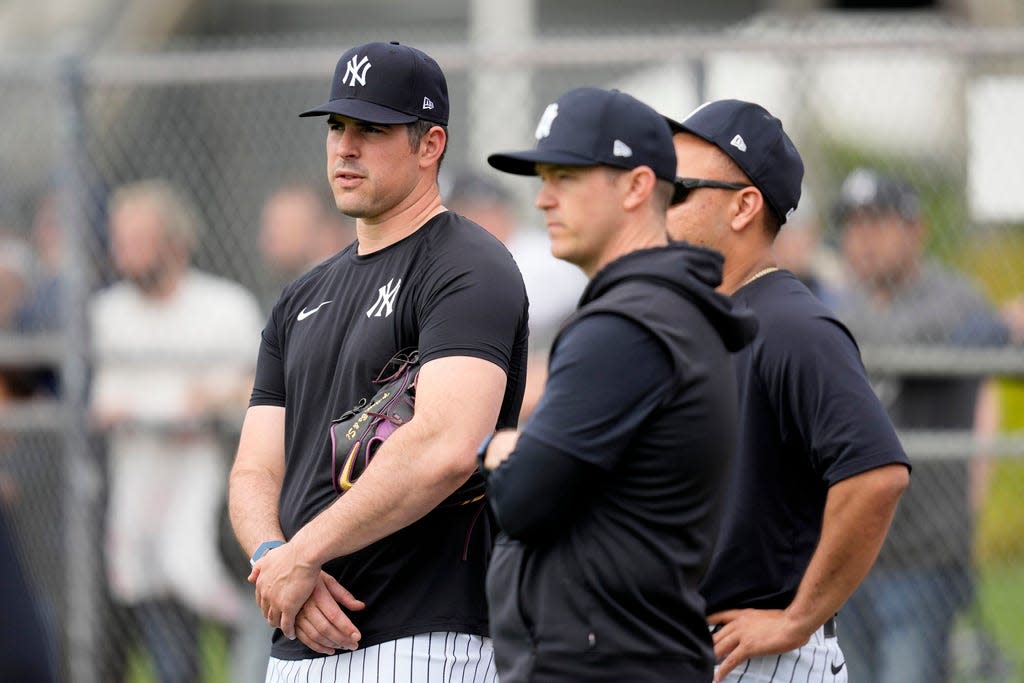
(449, 289)
(808, 418)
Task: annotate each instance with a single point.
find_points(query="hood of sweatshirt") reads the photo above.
(691, 271)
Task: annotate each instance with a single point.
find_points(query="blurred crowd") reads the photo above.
(172, 350)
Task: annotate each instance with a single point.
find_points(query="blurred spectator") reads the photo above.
(15, 281)
(173, 359)
(800, 250)
(27, 650)
(43, 308)
(1013, 314)
(552, 286)
(896, 627)
(298, 229)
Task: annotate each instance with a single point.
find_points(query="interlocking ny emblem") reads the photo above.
(385, 303)
(357, 69)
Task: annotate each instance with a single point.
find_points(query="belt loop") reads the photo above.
(829, 628)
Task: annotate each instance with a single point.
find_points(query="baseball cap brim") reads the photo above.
(361, 110)
(525, 163)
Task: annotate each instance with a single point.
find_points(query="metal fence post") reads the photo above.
(83, 576)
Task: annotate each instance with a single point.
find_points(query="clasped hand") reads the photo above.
(304, 601)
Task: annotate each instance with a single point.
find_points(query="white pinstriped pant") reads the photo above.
(819, 661)
(438, 657)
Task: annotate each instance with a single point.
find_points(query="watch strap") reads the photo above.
(263, 549)
(481, 453)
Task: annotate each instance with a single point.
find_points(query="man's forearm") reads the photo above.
(253, 508)
(457, 402)
(411, 473)
(987, 418)
(858, 512)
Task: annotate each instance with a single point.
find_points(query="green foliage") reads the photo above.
(213, 652)
(1001, 603)
(1001, 524)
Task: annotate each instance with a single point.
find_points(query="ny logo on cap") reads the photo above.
(546, 119)
(357, 69)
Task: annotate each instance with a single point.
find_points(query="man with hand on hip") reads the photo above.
(819, 469)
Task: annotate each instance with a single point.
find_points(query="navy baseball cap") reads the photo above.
(755, 140)
(387, 83)
(591, 127)
(869, 190)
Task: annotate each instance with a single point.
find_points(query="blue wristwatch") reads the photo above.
(481, 453)
(263, 549)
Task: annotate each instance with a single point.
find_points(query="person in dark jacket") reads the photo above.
(610, 497)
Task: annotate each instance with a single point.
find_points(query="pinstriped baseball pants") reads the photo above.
(819, 661)
(438, 657)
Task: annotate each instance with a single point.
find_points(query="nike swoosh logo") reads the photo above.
(837, 669)
(303, 314)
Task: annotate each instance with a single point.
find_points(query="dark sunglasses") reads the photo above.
(686, 185)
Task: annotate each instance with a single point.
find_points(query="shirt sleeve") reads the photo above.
(538, 491)
(607, 376)
(268, 386)
(825, 400)
(473, 305)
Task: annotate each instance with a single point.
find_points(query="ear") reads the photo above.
(640, 184)
(432, 146)
(747, 205)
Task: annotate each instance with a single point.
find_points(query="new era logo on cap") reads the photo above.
(387, 83)
(738, 143)
(621, 149)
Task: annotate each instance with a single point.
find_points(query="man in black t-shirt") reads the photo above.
(818, 469)
(381, 570)
(610, 498)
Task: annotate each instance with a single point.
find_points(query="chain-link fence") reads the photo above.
(935, 105)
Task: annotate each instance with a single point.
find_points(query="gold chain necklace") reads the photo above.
(765, 271)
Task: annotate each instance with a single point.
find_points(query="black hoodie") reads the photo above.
(610, 592)
(681, 269)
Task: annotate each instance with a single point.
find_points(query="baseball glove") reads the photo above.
(357, 434)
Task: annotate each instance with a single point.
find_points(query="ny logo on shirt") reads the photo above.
(385, 303)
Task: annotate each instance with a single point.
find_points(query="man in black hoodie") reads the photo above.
(610, 497)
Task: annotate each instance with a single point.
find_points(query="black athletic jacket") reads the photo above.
(611, 501)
